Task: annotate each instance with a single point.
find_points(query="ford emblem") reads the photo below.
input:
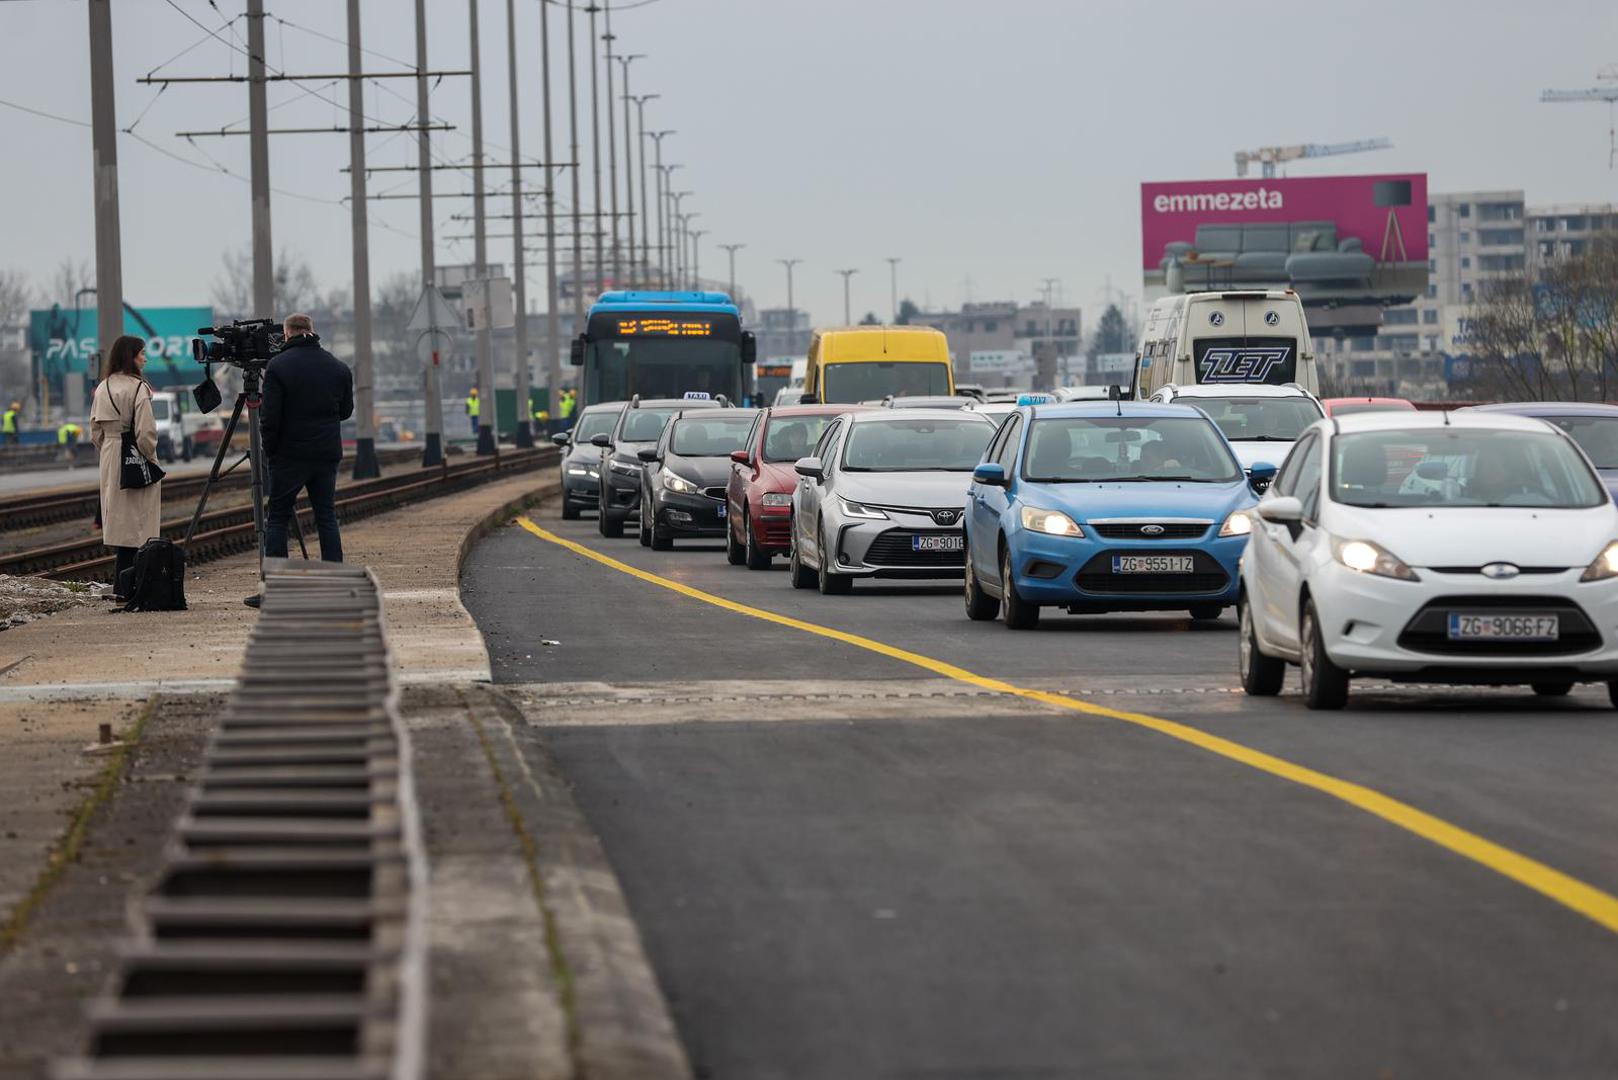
(1151, 530)
(1500, 571)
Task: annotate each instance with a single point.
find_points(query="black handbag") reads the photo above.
(134, 471)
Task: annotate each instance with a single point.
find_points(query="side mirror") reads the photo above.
(647, 454)
(810, 467)
(561, 438)
(1260, 476)
(1115, 392)
(575, 352)
(741, 457)
(991, 473)
(749, 348)
(809, 399)
(1281, 510)
(601, 439)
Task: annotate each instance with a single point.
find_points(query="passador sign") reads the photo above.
(65, 342)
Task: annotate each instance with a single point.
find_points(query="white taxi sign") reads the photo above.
(697, 395)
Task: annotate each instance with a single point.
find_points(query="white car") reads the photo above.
(1499, 568)
(1261, 422)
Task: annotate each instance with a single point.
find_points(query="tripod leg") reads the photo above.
(218, 459)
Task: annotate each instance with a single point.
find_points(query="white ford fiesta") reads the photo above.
(1432, 547)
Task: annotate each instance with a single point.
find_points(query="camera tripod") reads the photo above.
(250, 398)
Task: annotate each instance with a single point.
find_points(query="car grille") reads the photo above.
(892, 548)
(1428, 631)
(774, 533)
(1206, 576)
(1172, 530)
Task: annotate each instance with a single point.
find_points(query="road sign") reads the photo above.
(433, 312)
(488, 304)
(997, 360)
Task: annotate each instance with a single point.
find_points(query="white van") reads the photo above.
(171, 437)
(1256, 336)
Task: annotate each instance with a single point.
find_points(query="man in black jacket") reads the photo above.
(308, 393)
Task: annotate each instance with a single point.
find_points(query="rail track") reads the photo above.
(33, 509)
(228, 531)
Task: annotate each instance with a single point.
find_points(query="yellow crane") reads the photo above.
(1269, 156)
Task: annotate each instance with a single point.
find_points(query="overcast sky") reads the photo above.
(990, 145)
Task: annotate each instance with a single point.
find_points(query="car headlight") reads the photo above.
(578, 470)
(860, 510)
(1050, 522)
(776, 498)
(675, 482)
(1605, 566)
(1239, 523)
(1365, 557)
(628, 468)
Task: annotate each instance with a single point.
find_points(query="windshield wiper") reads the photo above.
(1265, 438)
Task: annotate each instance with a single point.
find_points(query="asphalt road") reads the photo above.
(846, 866)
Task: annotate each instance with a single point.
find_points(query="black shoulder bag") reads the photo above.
(134, 471)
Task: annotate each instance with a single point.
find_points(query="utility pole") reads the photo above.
(553, 330)
(487, 417)
(1047, 285)
(258, 149)
(645, 222)
(365, 463)
(595, 150)
(573, 129)
(848, 318)
(629, 174)
(519, 273)
(696, 275)
(432, 453)
(792, 314)
(893, 284)
(731, 249)
(104, 149)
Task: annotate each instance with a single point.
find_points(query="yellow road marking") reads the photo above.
(1593, 903)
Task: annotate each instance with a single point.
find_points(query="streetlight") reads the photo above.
(848, 318)
(792, 316)
(731, 249)
(645, 222)
(629, 187)
(688, 253)
(893, 283)
(676, 252)
(662, 189)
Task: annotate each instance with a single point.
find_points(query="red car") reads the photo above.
(758, 497)
(1343, 406)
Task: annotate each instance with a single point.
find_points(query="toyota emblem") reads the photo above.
(1500, 571)
(1272, 319)
(1151, 530)
(1217, 318)
(946, 517)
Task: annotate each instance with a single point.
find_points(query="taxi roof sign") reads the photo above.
(697, 395)
(1035, 399)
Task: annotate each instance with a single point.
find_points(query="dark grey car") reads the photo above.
(581, 459)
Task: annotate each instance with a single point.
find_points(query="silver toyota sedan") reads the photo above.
(882, 495)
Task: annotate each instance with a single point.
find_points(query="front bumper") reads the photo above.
(622, 493)
(1382, 626)
(772, 527)
(584, 489)
(689, 515)
(1076, 573)
(885, 549)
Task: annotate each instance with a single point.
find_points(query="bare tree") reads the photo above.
(391, 307)
(295, 286)
(16, 297)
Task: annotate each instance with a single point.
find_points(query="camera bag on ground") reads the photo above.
(158, 578)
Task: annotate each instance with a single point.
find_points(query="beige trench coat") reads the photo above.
(128, 518)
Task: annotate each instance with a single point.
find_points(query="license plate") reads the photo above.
(1504, 627)
(938, 543)
(722, 510)
(1151, 564)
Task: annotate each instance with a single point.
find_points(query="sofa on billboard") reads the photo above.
(1300, 254)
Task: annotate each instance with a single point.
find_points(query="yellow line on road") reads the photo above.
(1593, 903)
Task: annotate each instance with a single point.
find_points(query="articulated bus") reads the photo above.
(663, 345)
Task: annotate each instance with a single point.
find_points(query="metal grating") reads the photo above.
(284, 938)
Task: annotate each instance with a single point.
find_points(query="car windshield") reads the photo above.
(1127, 448)
(710, 436)
(788, 438)
(1258, 419)
(645, 425)
(947, 444)
(1461, 467)
(849, 383)
(595, 423)
(1368, 406)
(1597, 436)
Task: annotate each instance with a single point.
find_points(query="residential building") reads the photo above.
(1003, 326)
(1561, 232)
(782, 332)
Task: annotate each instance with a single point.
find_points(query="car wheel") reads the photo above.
(802, 576)
(661, 538)
(1612, 693)
(1207, 612)
(757, 558)
(1018, 613)
(643, 527)
(608, 525)
(1553, 689)
(570, 509)
(830, 584)
(735, 554)
(980, 606)
(1261, 675)
(1325, 685)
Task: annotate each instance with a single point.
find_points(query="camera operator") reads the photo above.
(308, 393)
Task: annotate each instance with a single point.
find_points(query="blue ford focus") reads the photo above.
(1107, 506)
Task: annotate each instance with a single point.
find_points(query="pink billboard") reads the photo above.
(1337, 240)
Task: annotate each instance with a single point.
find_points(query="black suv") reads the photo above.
(581, 459)
(639, 427)
(682, 490)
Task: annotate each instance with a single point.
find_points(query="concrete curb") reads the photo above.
(499, 516)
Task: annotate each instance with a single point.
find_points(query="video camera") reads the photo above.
(245, 343)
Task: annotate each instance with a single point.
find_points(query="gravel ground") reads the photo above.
(24, 599)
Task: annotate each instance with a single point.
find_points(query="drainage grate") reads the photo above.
(284, 937)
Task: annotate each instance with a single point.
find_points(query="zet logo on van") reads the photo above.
(1242, 365)
(1216, 318)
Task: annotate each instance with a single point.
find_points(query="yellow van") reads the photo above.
(851, 364)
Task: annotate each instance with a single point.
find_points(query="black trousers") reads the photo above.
(125, 561)
(288, 476)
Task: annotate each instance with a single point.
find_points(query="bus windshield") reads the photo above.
(851, 383)
(662, 367)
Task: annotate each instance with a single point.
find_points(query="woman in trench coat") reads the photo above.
(123, 401)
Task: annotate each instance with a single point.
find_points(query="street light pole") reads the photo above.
(553, 330)
(104, 146)
(662, 203)
(595, 145)
(645, 221)
(629, 186)
(573, 134)
(519, 271)
(792, 314)
(676, 254)
(731, 249)
(848, 318)
(696, 240)
(433, 448)
(893, 284)
(480, 252)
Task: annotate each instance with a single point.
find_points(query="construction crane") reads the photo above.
(1268, 156)
(1608, 93)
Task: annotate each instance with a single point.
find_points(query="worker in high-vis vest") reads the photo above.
(8, 423)
(68, 434)
(570, 402)
(474, 409)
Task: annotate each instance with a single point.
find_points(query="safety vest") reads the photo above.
(10, 421)
(568, 404)
(66, 432)
(473, 406)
